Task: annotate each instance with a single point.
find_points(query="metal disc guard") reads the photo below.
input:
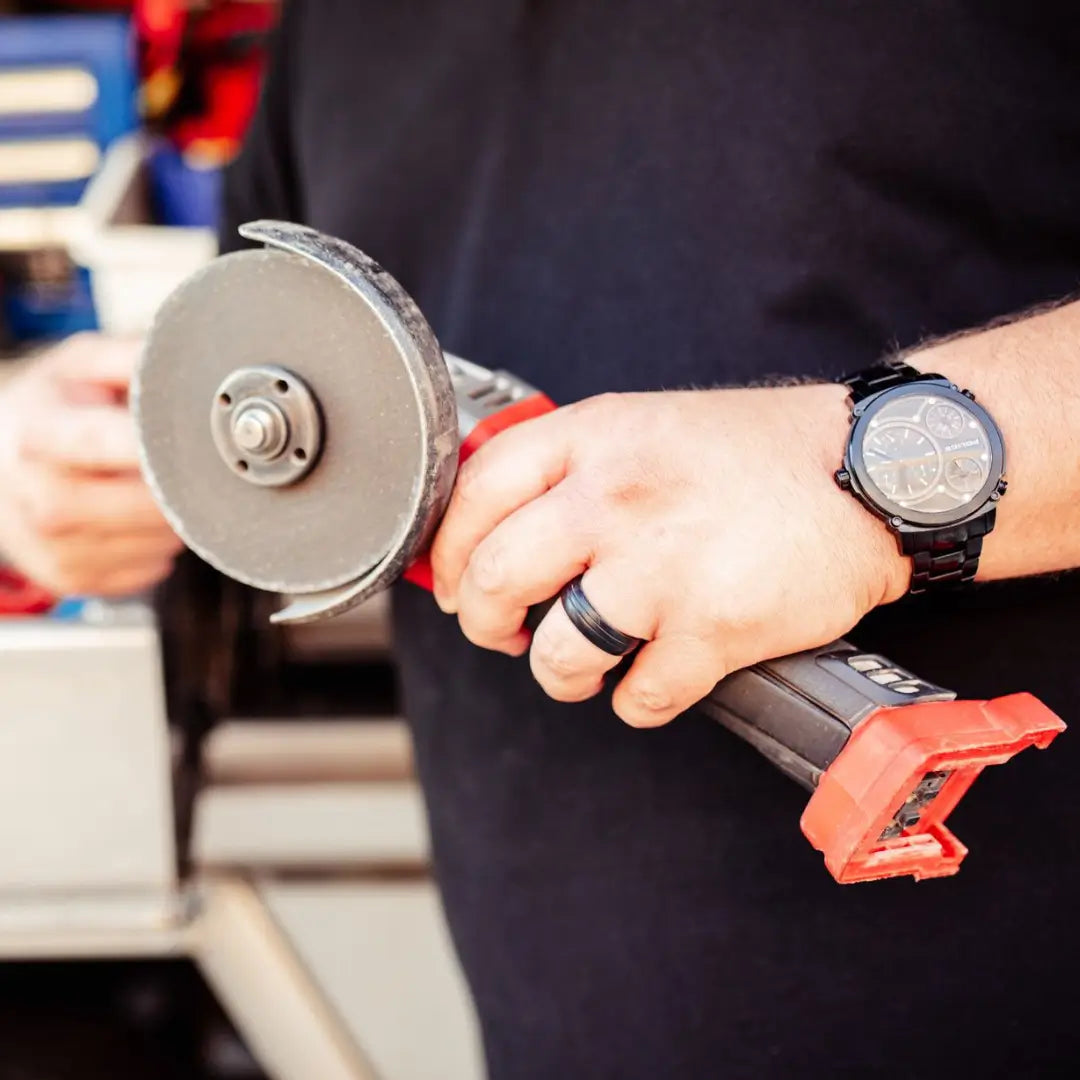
(296, 420)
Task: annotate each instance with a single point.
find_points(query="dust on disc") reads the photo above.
(275, 307)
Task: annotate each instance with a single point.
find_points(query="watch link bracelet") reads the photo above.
(925, 457)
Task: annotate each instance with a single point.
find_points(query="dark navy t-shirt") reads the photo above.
(647, 195)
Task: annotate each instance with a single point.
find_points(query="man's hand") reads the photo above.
(706, 522)
(75, 515)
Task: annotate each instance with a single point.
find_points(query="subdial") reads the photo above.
(965, 474)
(944, 421)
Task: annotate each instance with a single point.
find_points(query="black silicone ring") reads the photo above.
(592, 625)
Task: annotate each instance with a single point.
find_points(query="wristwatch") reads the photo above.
(924, 456)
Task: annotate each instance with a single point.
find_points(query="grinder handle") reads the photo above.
(863, 735)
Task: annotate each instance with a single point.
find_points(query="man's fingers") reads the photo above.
(134, 578)
(98, 565)
(515, 467)
(99, 558)
(525, 560)
(84, 437)
(564, 662)
(96, 358)
(668, 676)
(57, 503)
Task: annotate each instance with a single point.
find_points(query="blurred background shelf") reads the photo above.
(213, 849)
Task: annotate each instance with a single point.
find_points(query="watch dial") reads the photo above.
(965, 474)
(944, 421)
(926, 453)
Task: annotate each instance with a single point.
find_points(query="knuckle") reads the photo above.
(488, 569)
(554, 658)
(650, 696)
(644, 703)
(471, 482)
(615, 484)
(629, 488)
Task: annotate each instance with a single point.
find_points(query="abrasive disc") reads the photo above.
(366, 456)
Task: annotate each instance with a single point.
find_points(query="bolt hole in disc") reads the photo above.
(242, 465)
(225, 400)
(281, 386)
(299, 454)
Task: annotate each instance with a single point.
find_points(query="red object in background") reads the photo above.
(21, 597)
(203, 69)
(159, 27)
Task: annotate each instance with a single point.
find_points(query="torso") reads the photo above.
(656, 195)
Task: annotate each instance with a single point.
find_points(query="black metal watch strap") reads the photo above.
(880, 377)
(945, 557)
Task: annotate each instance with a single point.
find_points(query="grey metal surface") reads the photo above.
(269, 991)
(85, 773)
(481, 393)
(323, 310)
(398, 985)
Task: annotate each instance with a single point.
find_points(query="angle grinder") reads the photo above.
(300, 427)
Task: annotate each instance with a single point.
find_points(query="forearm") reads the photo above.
(1027, 373)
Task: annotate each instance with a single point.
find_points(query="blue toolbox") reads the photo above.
(68, 90)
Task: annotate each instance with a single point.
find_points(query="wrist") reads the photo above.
(862, 536)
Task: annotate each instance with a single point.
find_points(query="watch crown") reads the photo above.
(843, 479)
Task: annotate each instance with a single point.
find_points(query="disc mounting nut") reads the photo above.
(266, 425)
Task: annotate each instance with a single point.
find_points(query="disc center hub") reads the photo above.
(266, 425)
(259, 428)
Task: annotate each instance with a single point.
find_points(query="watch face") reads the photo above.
(926, 451)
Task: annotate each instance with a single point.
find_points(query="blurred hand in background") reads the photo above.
(75, 514)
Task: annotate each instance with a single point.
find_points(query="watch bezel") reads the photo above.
(864, 485)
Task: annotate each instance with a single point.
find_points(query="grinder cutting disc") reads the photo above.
(296, 419)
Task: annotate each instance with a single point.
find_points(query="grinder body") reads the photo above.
(305, 392)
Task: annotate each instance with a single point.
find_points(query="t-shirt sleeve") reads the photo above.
(261, 181)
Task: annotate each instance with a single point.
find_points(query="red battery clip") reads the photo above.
(879, 809)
